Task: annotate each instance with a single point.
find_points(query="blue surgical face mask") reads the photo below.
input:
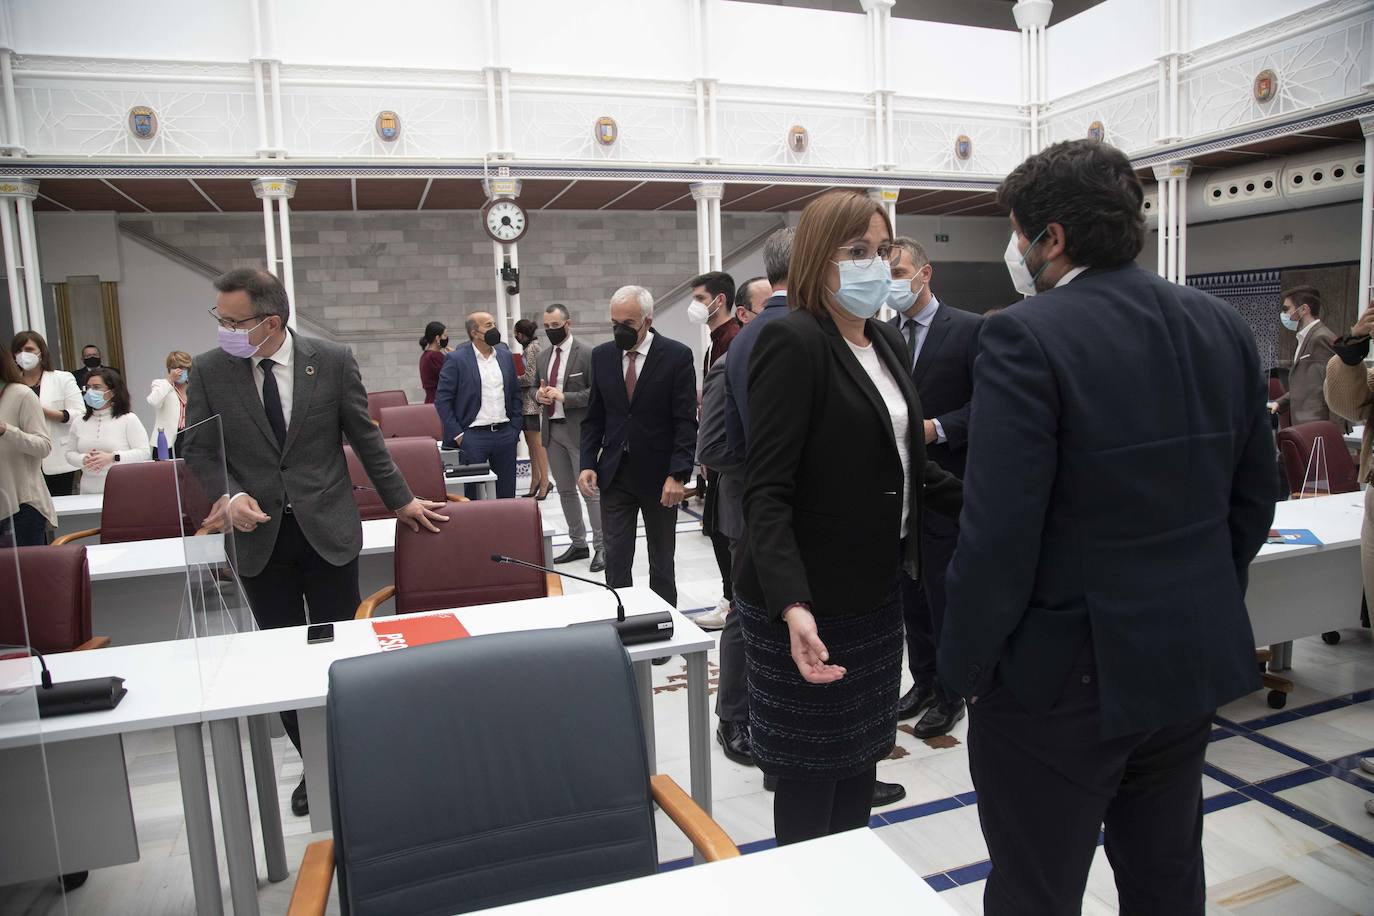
(96, 399)
(183, 377)
(863, 290)
(1289, 321)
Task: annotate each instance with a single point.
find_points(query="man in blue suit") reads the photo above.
(1096, 601)
(478, 400)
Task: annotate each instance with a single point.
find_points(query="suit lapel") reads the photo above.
(303, 372)
(850, 362)
(243, 369)
(935, 337)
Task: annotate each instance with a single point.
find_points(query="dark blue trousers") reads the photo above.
(497, 448)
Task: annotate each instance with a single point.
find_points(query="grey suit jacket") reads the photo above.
(328, 404)
(1305, 399)
(577, 383)
(713, 451)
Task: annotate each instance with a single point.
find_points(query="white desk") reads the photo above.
(164, 684)
(77, 513)
(853, 872)
(139, 589)
(1354, 438)
(1302, 591)
(269, 671)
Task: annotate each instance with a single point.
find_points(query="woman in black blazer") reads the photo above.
(836, 477)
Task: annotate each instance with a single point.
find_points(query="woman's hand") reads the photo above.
(808, 652)
(97, 460)
(1365, 324)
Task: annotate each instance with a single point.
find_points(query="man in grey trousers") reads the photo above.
(563, 377)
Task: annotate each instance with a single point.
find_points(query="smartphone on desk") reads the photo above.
(319, 632)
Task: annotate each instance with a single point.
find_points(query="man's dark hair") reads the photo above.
(1305, 295)
(919, 258)
(90, 347)
(265, 292)
(1091, 190)
(560, 308)
(742, 293)
(777, 254)
(717, 283)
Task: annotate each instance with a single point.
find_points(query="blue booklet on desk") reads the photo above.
(1293, 537)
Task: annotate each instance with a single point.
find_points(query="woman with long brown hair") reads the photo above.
(26, 510)
(60, 398)
(818, 573)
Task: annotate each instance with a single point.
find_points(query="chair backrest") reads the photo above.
(1296, 445)
(376, 400)
(418, 461)
(412, 420)
(141, 503)
(440, 804)
(454, 569)
(57, 598)
(1276, 391)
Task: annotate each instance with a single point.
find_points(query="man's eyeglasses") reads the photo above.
(234, 324)
(862, 256)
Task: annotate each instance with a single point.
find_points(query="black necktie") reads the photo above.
(911, 327)
(271, 402)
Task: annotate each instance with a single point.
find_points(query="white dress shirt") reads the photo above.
(922, 320)
(561, 353)
(642, 350)
(1068, 277)
(1303, 335)
(493, 409)
(286, 380)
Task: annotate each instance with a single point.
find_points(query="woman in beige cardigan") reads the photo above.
(26, 511)
(1349, 391)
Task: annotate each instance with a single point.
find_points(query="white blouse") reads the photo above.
(166, 400)
(897, 411)
(125, 436)
(58, 391)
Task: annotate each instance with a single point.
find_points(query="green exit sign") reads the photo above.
(942, 238)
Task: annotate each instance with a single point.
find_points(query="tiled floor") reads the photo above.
(1285, 830)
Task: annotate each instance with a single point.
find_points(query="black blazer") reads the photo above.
(944, 380)
(1120, 479)
(823, 482)
(659, 427)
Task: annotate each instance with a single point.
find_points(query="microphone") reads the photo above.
(640, 628)
(73, 696)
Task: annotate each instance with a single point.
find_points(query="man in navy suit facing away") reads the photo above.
(1096, 601)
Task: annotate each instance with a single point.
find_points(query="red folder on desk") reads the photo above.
(403, 632)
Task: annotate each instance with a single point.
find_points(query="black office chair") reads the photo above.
(484, 771)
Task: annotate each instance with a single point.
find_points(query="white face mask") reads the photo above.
(699, 312)
(27, 361)
(1021, 277)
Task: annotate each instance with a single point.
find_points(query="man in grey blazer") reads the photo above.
(285, 404)
(564, 388)
(1305, 400)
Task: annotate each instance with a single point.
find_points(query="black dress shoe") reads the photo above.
(915, 701)
(733, 737)
(572, 553)
(300, 805)
(661, 660)
(887, 793)
(770, 783)
(598, 561)
(939, 719)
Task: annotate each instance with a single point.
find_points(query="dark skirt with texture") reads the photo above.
(824, 731)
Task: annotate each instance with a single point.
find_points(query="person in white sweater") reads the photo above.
(26, 510)
(168, 398)
(59, 399)
(108, 433)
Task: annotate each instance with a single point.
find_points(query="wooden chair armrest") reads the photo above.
(76, 536)
(95, 642)
(208, 529)
(553, 585)
(457, 498)
(712, 842)
(374, 601)
(313, 879)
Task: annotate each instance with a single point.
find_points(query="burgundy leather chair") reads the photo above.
(141, 503)
(57, 599)
(418, 461)
(1276, 391)
(454, 569)
(1296, 444)
(412, 420)
(376, 400)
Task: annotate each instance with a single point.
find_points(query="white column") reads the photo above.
(707, 195)
(498, 255)
(1366, 294)
(278, 134)
(280, 190)
(19, 312)
(1031, 18)
(888, 198)
(1164, 214)
(33, 282)
(514, 300)
(1173, 216)
(13, 136)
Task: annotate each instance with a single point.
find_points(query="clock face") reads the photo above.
(504, 220)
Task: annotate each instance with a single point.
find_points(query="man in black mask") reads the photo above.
(639, 439)
(478, 400)
(90, 361)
